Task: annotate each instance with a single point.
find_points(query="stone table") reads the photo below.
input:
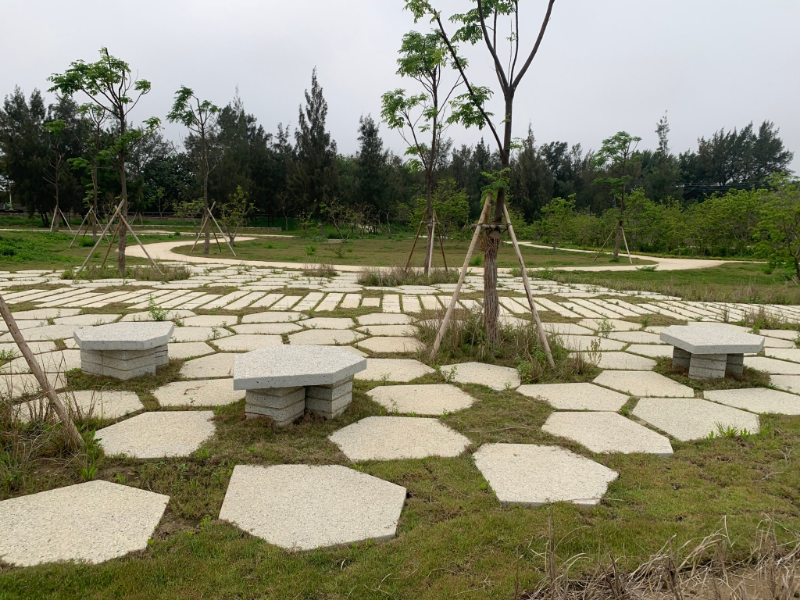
(124, 350)
(283, 381)
(710, 352)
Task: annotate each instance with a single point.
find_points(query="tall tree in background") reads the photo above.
(618, 158)
(94, 155)
(200, 117)
(314, 177)
(371, 163)
(424, 58)
(57, 161)
(482, 23)
(108, 83)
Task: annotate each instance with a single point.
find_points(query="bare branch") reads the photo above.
(528, 62)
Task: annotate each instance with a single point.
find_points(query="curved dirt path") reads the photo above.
(165, 251)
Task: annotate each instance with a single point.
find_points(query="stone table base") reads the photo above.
(124, 364)
(708, 366)
(330, 401)
(282, 405)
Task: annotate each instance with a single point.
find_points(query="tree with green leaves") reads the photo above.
(485, 23)
(235, 212)
(371, 167)
(425, 59)
(618, 158)
(57, 157)
(779, 226)
(109, 84)
(96, 154)
(200, 117)
(558, 218)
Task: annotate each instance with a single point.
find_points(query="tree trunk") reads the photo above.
(94, 204)
(123, 231)
(491, 301)
(618, 242)
(207, 241)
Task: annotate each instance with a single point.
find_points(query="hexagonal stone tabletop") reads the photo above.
(398, 438)
(435, 399)
(606, 432)
(124, 336)
(643, 384)
(689, 419)
(576, 396)
(758, 400)
(493, 376)
(91, 522)
(393, 369)
(293, 366)
(302, 507)
(158, 434)
(535, 475)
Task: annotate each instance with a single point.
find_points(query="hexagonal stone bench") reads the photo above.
(124, 350)
(282, 382)
(710, 352)
(89, 522)
(398, 438)
(302, 507)
(535, 475)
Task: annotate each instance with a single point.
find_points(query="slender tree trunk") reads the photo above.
(94, 203)
(56, 211)
(207, 241)
(123, 231)
(429, 224)
(618, 242)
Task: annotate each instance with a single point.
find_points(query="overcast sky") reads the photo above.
(604, 66)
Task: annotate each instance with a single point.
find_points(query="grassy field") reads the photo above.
(389, 252)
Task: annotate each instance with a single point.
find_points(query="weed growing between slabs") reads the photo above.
(139, 272)
(395, 276)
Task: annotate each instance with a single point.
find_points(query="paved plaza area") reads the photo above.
(225, 310)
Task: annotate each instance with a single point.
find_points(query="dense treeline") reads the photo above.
(301, 176)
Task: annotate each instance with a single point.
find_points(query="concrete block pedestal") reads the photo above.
(282, 405)
(710, 352)
(124, 350)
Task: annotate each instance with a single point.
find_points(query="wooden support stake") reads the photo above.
(604, 244)
(441, 240)
(36, 369)
(138, 241)
(110, 246)
(630, 258)
(200, 232)
(446, 321)
(66, 221)
(222, 233)
(416, 237)
(527, 284)
(80, 228)
(102, 235)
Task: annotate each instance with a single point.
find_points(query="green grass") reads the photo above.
(384, 252)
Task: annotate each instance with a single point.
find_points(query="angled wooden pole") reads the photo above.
(446, 321)
(604, 244)
(416, 237)
(441, 240)
(197, 237)
(628, 250)
(41, 378)
(138, 241)
(66, 221)
(222, 233)
(527, 284)
(102, 236)
(80, 228)
(110, 245)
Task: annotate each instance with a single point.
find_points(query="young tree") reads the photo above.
(96, 154)
(780, 223)
(56, 161)
(109, 84)
(424, 58)
(235, 212)
(557, 219)
(201, 119)
(483, 23)
(618, 158)
(371, 166)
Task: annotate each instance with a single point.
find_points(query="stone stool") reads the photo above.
(710, 352)
(282, 382)
(124, 350)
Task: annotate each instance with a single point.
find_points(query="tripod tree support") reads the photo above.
(416, 238)
(441, 240)
(628, 250)
(527, 284)
(446, 321)
(72, 432)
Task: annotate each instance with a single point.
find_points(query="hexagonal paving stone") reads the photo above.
(146, 316)
(689, 419)
(389, 330)
(534, 475)
(790, 383)
(211, 321)
(783, 334)
(643, 384)
(41, 334)
(772, 366)
(247, 343)
(301, 507)
(758, 400)
(576, 396)
(584, 342)
(391, 345)
(435, 399)
(566, 329)
(792, 354)
(215, 365)
(89, 522)
(384, 319)
(497, 378)
(615, 324)
(605, 432)
(393, 369)
(188, 350)
(621, 361)
(325, 337)
(273, 317)
(776, 343)
(59, 361)
(651, 350)
(86, 320)
(198, 334)
(398, 438)
(101, 404)
(267, 328)
(13, 385)
(329, 323)
(200, 392)
(45, 313)
(635, 337)
(158, 434)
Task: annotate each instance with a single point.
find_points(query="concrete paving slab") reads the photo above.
(248, 343)
(758, 400)
(39, 314)
(643, 384)
(59, 361)
(688, 419)
(584, 342)
(492, 376)
(329, 323)
(533, 475)
(42, 334)
(398, 438)
(267, 328)
(576, 396)
(273, 317)
(772, 366)
(389, 330)
(200, 392)
(101, 404)
(13, 385)
(653, 351)
(84, 320)
(635, 337)
(605, 432)
(293, 366)
(783, 334)
(90, 522)
(325, 337)
(393, 369)
(214, 365)
(158, 434)
(391, 345)
(776, 343)
(433, 399)
(36, 347)
(615, 324)
(790, 383)
(188, 350)
(384, 319)
(199, 334)
(211, 321)
(567, 329)
(621, 361)
(145, 316)
(303, 507)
